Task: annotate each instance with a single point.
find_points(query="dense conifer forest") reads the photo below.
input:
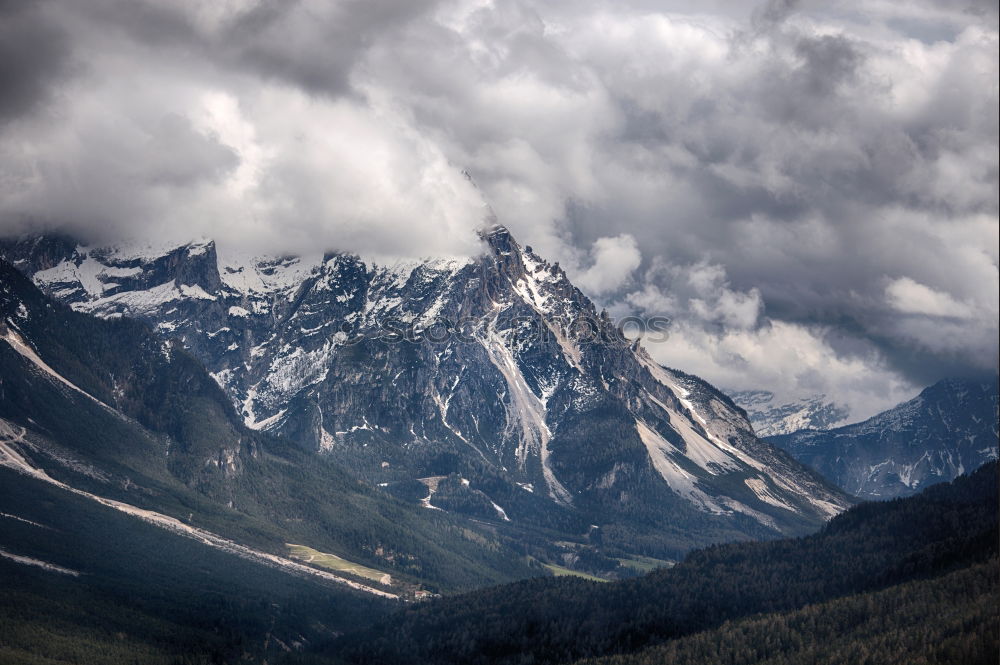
(952, 619)
(141, 595)
(871, 547)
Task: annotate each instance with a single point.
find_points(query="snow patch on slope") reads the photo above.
(22, 347)
(250, 274)
(135, 302)
(525, 411)
(759, 487)
(680, 481)
(699, 449)
(44, 565)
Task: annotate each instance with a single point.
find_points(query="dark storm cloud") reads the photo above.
(313, 45)
(179, 156)
(277, 39)
(34, 54)
(773, 13)
(829, 62)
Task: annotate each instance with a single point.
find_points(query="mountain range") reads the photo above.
(948, 429)
(105, 410)
(771, 416)
(488, 387)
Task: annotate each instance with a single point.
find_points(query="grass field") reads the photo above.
(334, 562)
(559, 571)
(644, 564)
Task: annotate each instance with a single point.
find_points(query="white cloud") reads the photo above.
(910, 297)
(271, 168)
(788, 359)
(721, 334)
(614, 259)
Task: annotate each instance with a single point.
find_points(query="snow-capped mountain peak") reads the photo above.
(495, 367)
(771, 415)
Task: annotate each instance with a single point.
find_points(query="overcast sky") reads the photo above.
(809, 190)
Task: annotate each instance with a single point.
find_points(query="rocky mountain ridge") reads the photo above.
(950, 428)
(104, 410)
(493, 369)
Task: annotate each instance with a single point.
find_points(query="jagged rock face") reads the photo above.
(771, 417)
(494, 367)
(948, 429)
(134, 377)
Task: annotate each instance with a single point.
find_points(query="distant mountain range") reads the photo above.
(948, 429)
(488, 387)
(771, 416)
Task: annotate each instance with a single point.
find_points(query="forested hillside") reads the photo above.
(870, 547)
(116, 590)
(949, 620)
